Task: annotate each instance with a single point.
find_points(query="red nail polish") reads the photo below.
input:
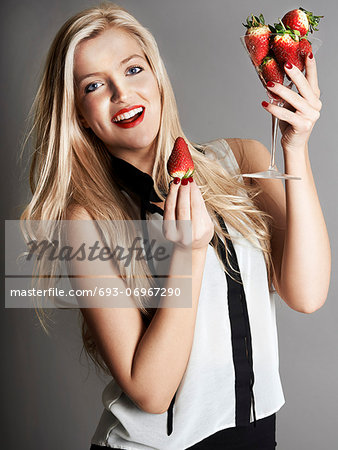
(270, 84)
(177, 180)
(288, 65)
(265, 104)
(190, 179)
(311, 55)
(184, 181)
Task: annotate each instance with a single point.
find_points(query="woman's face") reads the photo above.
(112, 76)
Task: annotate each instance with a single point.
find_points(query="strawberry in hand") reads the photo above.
(180, 164)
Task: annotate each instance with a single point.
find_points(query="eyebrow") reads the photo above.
(124, 61)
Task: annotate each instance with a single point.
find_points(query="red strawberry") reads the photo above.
(180, 163)
(304, 49)
(285, 46)
(301, 20)
(257, 38)
(271, 71)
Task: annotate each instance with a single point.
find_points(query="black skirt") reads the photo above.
(259, 437)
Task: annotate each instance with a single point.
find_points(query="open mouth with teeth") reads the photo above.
(130, 118)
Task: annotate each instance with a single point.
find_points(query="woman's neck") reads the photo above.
(141, 159)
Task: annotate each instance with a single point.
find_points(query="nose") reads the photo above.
(120, 92)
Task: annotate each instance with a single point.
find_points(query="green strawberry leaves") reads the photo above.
(254, 21)
(313, 20)
(280, 29)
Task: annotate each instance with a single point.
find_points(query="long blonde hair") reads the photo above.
(71, 166)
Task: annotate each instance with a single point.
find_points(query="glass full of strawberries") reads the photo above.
(270, 48)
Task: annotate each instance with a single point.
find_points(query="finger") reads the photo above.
(298, 122)
(196, 202)
(311, 74)
(183, 202)
(302, 84)
(200, 217)
(170, 202)
(291, 97)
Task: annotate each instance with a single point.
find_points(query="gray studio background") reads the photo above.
(51, 399)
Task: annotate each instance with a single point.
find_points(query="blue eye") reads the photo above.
(93, 86)
(135, 70)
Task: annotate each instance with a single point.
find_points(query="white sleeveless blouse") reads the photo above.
(205, 399)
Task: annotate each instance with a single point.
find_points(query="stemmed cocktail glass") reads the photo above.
(272, 171)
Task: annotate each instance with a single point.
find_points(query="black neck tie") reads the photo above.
(239, 320)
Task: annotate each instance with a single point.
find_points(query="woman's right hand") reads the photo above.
(185, 203)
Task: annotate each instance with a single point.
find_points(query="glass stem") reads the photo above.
(274, 130)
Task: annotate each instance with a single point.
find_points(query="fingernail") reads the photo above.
(288, 65)
(177, 180)
(190, 179)
(265, 104)
(311, 55)
(184, 181)
(270, 84)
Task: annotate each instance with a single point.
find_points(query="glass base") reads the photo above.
(271, 173)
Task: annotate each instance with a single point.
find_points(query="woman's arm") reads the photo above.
(300, 243)
(149, 363)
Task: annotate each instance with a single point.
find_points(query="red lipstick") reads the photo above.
(133, 123)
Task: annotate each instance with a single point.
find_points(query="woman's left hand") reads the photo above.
(302, 109)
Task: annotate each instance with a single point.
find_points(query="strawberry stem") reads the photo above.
(188, 173)
(313, 20)
(280, 29)
(254, 21)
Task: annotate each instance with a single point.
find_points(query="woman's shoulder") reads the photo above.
(236, 154)
(76, 211)
(249, 153)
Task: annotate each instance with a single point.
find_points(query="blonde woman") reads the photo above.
(206, 376)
